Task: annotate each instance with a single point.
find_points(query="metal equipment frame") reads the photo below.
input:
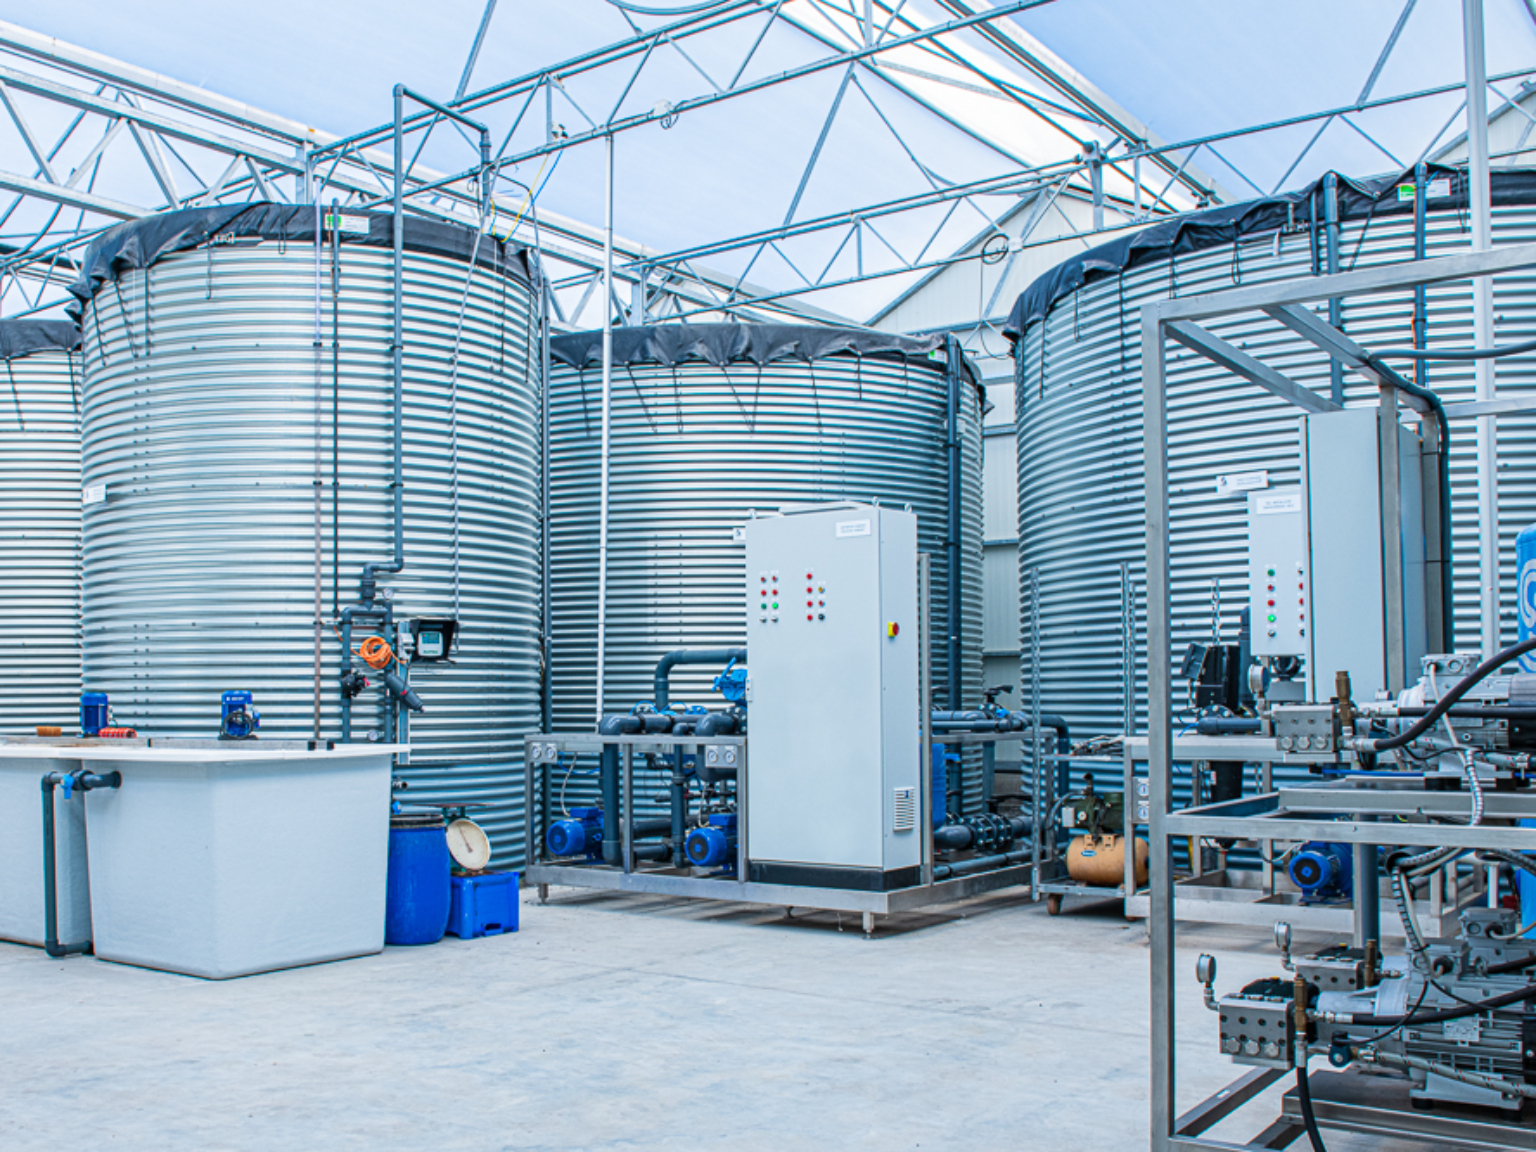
(545, 748)
(1292, 814)
(1212, 897)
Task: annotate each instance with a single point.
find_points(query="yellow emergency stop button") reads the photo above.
(892, 628)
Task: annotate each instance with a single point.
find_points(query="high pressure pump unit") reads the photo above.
(818, 782)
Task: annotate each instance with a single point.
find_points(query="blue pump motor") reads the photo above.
(1323, 871)
(714, 844)
(939, 799)
(94, 713)
(238, 718)
(581, 834)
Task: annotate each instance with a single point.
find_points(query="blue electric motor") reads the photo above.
(94, 713)
(580, 834)
(238, 718)
(714, 844)
(1323, 872)
(939, 799)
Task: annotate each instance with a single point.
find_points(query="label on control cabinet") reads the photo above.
(1277, 504)
(853, 528)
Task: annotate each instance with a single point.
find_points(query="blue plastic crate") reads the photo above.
(483, 905)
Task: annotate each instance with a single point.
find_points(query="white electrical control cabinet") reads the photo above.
(834, 767)
(1318, 575)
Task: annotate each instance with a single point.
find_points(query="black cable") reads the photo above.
(1510, 965)
(1474, 1008)
(1304, 1098)
(1461, 688)
(1380, 1036)
(1460, 353)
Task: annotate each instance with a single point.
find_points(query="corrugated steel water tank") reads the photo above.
(709, 423)
(39, 526)
(237, 417)
(1078, 379)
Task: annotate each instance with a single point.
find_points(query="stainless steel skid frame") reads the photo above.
(1214, 898)
(545, 749)
(1343, 1101)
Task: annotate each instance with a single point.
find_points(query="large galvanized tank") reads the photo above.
(238, 415)
(39, 525)
(1078, 377)
(712, 422)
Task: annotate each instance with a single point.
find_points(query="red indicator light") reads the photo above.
(807, 615)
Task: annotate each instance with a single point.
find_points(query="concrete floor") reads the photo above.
(614, 1022)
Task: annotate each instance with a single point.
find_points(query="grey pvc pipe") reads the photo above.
(980, 864)
(608, 778)
(85, 781)
(664, 666)
(952, 543)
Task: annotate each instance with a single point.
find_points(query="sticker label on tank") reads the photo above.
(1436, 189)
(1241, 482)
(853, 528)
(1275, 505)
(348, 224)
(738, 535)
(93, 494)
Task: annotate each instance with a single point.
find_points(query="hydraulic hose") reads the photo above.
(1460, 689)
(1471, 1008)
(1492, 1083)
(1304, 1098)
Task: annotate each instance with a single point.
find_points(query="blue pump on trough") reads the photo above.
(95, 713)
(1323, 872)
(580, 834)
(714, 844)
(238, 718)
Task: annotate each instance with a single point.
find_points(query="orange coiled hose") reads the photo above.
(376, 653)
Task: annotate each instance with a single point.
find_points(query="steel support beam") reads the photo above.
(1235, 360)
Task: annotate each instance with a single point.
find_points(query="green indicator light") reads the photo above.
(1271, 571)
(1271, 619)
(775, 603)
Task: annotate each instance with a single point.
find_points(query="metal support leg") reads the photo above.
(869, 923)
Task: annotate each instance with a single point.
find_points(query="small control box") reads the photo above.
(432, 639)
(1277, 572)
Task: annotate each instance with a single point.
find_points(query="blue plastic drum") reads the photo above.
(420, 888)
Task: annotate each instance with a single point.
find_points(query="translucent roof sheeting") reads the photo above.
(798, 158)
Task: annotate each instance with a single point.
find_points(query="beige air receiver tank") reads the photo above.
(39, 526)
(711, 422)
(238, 421)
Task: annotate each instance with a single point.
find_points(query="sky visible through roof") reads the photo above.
(1183, 68)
